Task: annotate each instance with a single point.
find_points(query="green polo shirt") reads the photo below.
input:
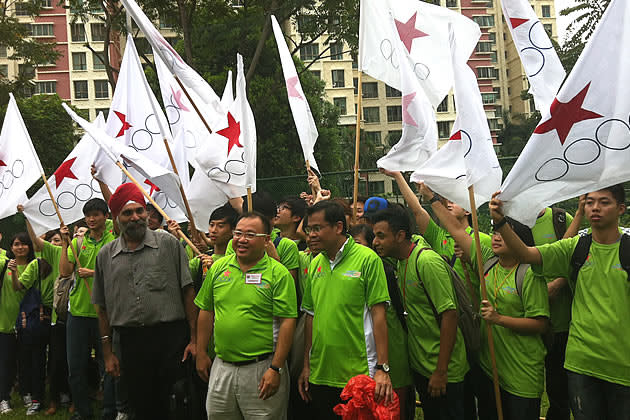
(520, 358)
(52, 254)
(3, 253)
(560, 307)
(9, 299)
(245, 305)
(599, 343)
(424, 331)
(287, 251)
(340, 298)
(306, 257)
(80, 296)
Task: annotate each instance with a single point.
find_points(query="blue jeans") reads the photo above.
(82, 335)
(596, 399)
(446, 407)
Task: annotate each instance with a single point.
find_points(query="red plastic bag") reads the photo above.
(361, 405)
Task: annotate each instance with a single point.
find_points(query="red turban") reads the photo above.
(124, 194)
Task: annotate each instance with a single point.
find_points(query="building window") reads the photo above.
(484, 21)
(4, 70)
(494, 124)
(492, 37)
(98, 32)
(546, 11)
(26, 70)
(371, 114)
(451, 3)
(497, 92)
(167, 21)
(97, 61)
(78, 32)
(21, 9)
(484, 47)
(355, 61)
(443, 106)
(548, 28)
(46, 88)
(42, 30)
(376, 187)
(444, 129)
(494, 57)
(105, 112)
(79, 61)
(369, 90)
(317, 74)
(391, 92)
(340, 103)
(3, 51)
(490, 4)
(101, 89)
(487, 73)
(80, 89)
(373, 137)
(488, 98)
(394, 113)
(336, 51)
(393, 136)
(46, 4)
(305, 23)
(238, 3)
(355, 83)
(338, 78)
(498, 111)
(309, 52)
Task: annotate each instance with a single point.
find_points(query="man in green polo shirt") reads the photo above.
(345, 299)
(598, 348)
(82, 324)
(248, 301)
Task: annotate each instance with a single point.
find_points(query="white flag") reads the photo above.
(583, 143)
(204, 196)
(468, 158)
(204, 96)
(229, 156)
(228, 92)
(423, 29)
(20, 167)
(542, 65)
(72, 186)
(155, 176)
(307, 131)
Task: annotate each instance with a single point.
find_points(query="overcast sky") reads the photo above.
(563, 21)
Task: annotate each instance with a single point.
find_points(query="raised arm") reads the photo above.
(65, 266)
(38, 243)
(421, 215)
(574, 227)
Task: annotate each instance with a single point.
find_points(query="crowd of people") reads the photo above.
(289, 300)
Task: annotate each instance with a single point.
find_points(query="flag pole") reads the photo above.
(183, 88)
(249, 199)
(484, 296)
(357, 143)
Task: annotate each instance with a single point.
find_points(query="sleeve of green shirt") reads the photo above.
(205, 298)
(289, 254)
(486, 254)
(307, 299)
(436, 279)
(434, 234)
(535, 298)
(375, 281)
(30, 274)
(283, 290)
(556, 258)
(193, 266)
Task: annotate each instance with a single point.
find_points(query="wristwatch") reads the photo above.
(384, 367)
(435, 198)
(277, 369)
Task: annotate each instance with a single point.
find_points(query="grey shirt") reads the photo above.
(142, 286)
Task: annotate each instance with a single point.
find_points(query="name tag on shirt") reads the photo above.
(253, 278)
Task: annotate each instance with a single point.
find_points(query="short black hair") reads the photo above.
(333, 213)
(150, 208)
(522, 231)
(257, 215)
(296, 205)
(262, 202)
(226, 212)
(617, 191)
(96, 204)
(363, 229)
(362, 199)
(25, 239)
(80, 224)
(49, 235)
(396, 218)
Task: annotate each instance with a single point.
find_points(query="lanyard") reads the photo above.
(496, 289)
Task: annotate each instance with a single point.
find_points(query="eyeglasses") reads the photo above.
(283, 207)
(237, 234)
(314, 228)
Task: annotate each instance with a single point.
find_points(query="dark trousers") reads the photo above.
(556, 379)
(470, 395)
(514, 407)
(32, 366)
(446, 407)
(151, 360)
(8, 353)
(324, 399)
(82, 335)
(58, 362)
(595, 399)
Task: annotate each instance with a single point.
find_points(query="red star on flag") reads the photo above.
(177, 96)
(125, 125)
(407, 31)
(516, 22)
(406, 101)
(291, 88)
(456, 136)
(232, 132)
(64, 171)
(565, 114)
(152, 185)
(2, 163)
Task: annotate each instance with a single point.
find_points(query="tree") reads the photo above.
(517, 129)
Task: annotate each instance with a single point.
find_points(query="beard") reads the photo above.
(133, 230)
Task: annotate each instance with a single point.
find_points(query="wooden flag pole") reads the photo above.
(157, 207)
(181, 188)
(249, 200)
(357, 143)
(183, 88)
(484, 296)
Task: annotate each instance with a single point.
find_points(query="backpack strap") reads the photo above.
(489, 264)
(580, 254)
(4, 270)
(559, 217)
(276, 241)
(521, 272)
(426, 292)
(624, 253)
(394, 294)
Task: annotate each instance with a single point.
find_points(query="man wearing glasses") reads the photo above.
(249, 300)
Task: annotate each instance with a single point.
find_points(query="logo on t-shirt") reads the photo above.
(352, 273)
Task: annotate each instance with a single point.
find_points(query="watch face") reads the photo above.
(385, 367)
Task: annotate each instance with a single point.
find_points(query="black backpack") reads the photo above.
(559, 217)
(580, 254)
(33, 322)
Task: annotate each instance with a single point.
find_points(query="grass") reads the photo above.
(19, 411)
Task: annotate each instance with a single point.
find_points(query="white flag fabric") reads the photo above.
(304, 122)
(204, 96)
(204, 196)
(228, 92)
(229, 156)
(540, 60)
(72, 186)
(423, 29)
(155, 176)
(20, 167)
(468, 158)
(583, 143)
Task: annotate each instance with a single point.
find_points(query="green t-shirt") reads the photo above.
(520, 358)
(424, 331)
(9, 299)
(560, 307)
(80, 296)
(29, 278)
(245, 305)
(599, 343)
(287, 251)
(443, 243)
(339, 299)
(52, 254)
(306, 257)
(3, 253)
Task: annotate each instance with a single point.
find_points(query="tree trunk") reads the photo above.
(261, 42)
(184, 20)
